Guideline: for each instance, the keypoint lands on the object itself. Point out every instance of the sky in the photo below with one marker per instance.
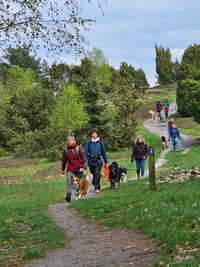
(129, 30)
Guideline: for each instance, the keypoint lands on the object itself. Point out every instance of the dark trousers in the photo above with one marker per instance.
(96, 172)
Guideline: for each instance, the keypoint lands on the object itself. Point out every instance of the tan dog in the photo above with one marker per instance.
(80, 187)
(153, 114)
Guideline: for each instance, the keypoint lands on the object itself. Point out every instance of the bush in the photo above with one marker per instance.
(4, 153)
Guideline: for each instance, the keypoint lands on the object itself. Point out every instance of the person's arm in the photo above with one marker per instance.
(103, 152)
(178, 134)
(133, 154)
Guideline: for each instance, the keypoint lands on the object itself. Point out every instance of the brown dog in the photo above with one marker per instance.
(80, 187)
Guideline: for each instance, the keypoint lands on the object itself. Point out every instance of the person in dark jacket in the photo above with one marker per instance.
(73, 163)
(174, 136)
(95, 155)
(139, 154)
(159, 108)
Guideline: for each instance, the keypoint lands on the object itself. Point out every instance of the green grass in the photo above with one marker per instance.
(170, 215)
(26, 228)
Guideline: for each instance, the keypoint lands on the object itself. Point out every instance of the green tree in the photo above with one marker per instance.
(26, 104)
(164, 68)
(21, 57)
(126, 101)
(188, 90)
(69, 113)
(140, 79)
(55, 25)
(59, 75)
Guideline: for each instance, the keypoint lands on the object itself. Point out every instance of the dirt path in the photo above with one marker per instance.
(93, 245)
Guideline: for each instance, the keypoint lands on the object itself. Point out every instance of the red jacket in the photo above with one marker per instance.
(73, 160)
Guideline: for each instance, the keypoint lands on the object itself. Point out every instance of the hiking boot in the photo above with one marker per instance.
(68, 198)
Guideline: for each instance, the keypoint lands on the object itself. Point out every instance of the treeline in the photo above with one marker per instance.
(41, 105)
(186, 74)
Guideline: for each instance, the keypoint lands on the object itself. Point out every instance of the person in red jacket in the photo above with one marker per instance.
(73, 163)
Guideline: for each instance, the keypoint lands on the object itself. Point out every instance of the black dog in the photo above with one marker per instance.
(163, 143)
(114, 175)
(122, 172)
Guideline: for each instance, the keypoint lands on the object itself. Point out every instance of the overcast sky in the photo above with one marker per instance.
(130, 29)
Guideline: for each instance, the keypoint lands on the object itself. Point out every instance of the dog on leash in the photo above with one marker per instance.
(114, 175)
(153, 115)
(80, 187)
(122, 172)
(163, 143)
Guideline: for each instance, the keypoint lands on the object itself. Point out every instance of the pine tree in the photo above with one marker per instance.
(188, 90)
(164, 67)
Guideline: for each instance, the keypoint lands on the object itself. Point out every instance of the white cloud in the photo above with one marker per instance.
(184, 33)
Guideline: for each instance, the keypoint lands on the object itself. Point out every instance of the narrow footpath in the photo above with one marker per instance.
(95, 245)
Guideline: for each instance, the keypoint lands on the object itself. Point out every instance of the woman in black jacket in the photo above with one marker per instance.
(139, 153)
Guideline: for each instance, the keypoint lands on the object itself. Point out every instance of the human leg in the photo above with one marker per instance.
(96, 172)
(174, 143)
(69, 176)
(143, 162)
(137, 161)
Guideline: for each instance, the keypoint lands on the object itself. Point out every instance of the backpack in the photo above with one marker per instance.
(77, 149)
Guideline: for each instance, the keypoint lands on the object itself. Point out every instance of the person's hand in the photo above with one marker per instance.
(106, 164)
(62, 173)
(143, 157)
(81, 170)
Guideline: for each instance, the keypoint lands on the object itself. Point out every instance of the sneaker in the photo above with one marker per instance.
(97, 191)
(68, 198)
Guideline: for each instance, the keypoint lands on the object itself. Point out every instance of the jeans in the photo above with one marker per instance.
(69, 176)
(96, 172)
(175, 142)
(140, 165)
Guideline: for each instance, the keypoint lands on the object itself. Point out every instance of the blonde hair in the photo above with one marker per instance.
(70, 138)
(139, 137)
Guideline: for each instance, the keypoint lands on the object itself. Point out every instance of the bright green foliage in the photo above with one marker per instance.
(26, 104)
(188, 91)
(69, 112)
(164, 67)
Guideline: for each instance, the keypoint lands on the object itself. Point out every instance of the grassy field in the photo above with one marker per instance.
(170, 214)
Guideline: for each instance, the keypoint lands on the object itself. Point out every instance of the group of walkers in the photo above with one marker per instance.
(173, 132)
(76, 160)
(162, 108)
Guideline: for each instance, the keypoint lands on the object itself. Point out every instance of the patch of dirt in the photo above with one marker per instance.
(94, 245)
(15, 162)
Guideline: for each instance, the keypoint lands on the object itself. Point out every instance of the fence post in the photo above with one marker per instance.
(152, 172)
